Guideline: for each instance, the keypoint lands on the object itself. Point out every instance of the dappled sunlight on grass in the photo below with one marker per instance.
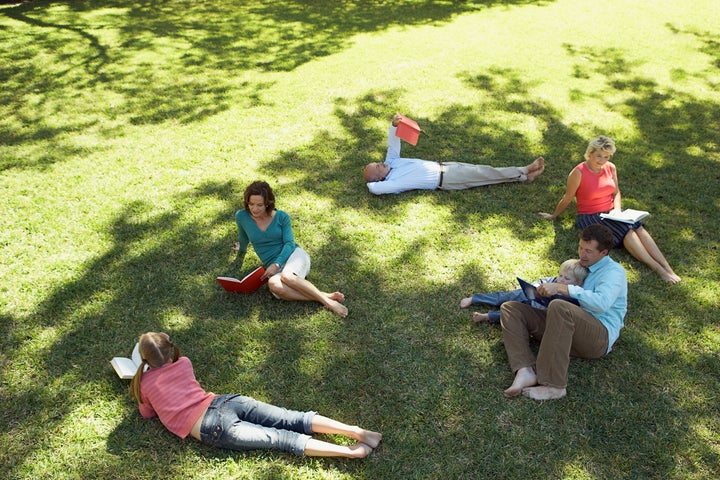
(127, 136)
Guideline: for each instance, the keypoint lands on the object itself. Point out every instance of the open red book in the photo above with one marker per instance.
(249, 284)
(408, 130)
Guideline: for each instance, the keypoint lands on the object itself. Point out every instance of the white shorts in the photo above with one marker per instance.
(298, 263)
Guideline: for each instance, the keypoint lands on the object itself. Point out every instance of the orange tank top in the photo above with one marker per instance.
(595, 193)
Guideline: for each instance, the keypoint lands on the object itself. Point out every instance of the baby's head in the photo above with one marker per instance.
(572, 273)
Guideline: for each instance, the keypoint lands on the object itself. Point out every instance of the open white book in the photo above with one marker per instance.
(626, 216)
(126, 367)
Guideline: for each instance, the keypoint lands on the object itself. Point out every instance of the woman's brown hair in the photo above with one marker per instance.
(262, 189)
(156, 350)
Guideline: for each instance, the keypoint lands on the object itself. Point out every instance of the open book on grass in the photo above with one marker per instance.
(248, 284)
(626, 216)
(531, 293)
(126, 367)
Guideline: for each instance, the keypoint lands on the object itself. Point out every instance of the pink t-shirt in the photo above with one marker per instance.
(173, 394)
(595, 193)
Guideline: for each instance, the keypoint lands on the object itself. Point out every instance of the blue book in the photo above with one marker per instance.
(531, 293)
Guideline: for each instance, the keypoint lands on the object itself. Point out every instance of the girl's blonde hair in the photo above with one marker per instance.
(576, 269)
(156, 350)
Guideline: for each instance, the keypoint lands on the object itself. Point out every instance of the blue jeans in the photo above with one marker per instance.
(236, 422)
(498, 298)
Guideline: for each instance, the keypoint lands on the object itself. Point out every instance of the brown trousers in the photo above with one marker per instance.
(563, 329)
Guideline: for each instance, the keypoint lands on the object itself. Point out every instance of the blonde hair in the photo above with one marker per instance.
(156, 350)
(578, 272)
(600, 143)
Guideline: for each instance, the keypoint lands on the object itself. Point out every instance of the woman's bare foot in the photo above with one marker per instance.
(670, 277)
(466, 302)
(480, 317)
(337, 296)
(337, 307)
(543, 392)
(524, 377)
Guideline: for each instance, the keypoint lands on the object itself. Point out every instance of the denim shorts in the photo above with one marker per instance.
(236, 422)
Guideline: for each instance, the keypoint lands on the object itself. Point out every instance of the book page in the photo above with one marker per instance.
(124, 367)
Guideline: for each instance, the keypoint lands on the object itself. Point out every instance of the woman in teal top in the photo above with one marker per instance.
(286, 264)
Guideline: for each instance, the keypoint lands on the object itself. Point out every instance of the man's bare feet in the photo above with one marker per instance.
(480, 317)
(466, 302)
(337, 296)
(535, 169)
(524, 377)
(538, 164)
(543, 392)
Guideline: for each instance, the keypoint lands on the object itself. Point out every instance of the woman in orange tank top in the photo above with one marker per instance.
(594, 185)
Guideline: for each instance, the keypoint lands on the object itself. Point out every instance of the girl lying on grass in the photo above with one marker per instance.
(168, 389)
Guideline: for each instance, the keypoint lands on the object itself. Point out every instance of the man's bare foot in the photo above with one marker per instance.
(543, 392)
(337, 296)
(466, 302)
(524, 377)
(535, 169)
(369, 437)
(480, 317)
(337, 307)
(538, 164)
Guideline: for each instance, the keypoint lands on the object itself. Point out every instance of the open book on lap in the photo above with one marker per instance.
(531, 293)
(126, 367)
(626, 216)
(248, 284)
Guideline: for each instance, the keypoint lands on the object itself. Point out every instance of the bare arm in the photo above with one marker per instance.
(617, 198)
(573, 183)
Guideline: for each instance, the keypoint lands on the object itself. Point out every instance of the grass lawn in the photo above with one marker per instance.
(128, 131)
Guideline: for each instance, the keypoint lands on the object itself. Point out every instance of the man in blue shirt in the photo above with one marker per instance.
(564, 329)
(397, 174)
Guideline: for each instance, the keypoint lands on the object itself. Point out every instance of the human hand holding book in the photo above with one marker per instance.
(251, 282)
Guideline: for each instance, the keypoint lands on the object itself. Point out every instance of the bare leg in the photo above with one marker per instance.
(322, 424)
(318, 448)
(655, 252)
(524, 377)
(480, 317)
(466, 302)
(641, 246)
(543, 392)
(292, 287)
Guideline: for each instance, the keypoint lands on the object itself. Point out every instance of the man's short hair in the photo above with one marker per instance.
(600, 233)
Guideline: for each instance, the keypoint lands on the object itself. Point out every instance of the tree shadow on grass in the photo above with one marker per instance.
(101, 67)
(673, 157)
(398, 363)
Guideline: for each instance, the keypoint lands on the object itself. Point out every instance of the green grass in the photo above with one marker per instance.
(128, 131)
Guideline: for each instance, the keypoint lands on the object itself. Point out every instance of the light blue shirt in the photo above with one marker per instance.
(604, 296)
(405, 173)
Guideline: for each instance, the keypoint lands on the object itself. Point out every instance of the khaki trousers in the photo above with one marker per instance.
(563, 329)
(459, 176)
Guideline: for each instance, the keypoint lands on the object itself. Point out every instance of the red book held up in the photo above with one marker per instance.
(408, 130)
(249, 284)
